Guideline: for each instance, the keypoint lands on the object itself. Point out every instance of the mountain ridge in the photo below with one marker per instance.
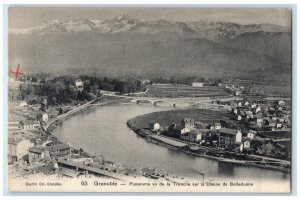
(205, 29)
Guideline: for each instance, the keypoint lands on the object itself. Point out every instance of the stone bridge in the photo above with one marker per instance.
(181, 103)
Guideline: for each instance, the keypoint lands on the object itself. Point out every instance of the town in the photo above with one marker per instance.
(256, 134)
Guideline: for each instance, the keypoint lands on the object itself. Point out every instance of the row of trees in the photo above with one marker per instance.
(186, 80)
(92, 84)
(62, 89)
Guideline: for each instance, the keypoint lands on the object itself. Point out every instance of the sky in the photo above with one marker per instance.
(20, 18)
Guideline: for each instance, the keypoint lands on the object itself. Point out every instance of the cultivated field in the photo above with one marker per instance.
(275, 90)
(184, 91)
(277, 134)
(165, 118)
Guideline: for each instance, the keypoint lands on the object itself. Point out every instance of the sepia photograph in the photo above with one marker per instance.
(149, 99)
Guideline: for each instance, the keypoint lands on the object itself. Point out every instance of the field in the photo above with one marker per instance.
(287, 145)
(277, 134)
(275, 90)
(165, 118)
(184, 91)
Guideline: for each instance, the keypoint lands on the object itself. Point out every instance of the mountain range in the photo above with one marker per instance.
(211, 30)
(124, 45)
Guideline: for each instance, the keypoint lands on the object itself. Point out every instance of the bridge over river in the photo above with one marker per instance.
(186, 102)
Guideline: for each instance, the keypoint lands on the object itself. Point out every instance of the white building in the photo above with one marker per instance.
(45, 117)
(216, 126)
(239, 104)
(281, 103)
(251, 135)
(154, 126)
(29, 125)
(197, 84)
(79, 84)
(23, 104)
(259, 121)
(188, 123)
(258, 109)
(17, 148)
(195, 135)
(245, 145)
(183, 130)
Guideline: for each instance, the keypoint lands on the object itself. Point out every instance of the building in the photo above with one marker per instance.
(259, 121)
(229, 137)
(271, 123)
(239, 104)
(278, 125)
(35, 154)
(196, 135)
(42, 117)
(216, 126)
(253, 105)
(247, 103)
(182, 130)
(45, 117)
(29, 125)
(188, 123)
(245, 145)
(177, 131)
(197, 84)
(257, 109)
(249, 114)
(251, 135)
(281, 103)
(17, 148)
(238, 92)
(235, 110)
(154, 126)
(14, 127)
(79, 84)
(238, 117)
(23, 104)
(57, 150)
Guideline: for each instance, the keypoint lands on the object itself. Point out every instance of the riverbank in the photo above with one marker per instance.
(212, 153)
(128, 173)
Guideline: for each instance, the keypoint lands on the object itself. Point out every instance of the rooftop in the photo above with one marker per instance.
(14, 140)
(199, 131)
(229, 131)
(35, 150)
(153, 122)
(179, 127)
(57, 147)
(29, 122)
(187, 119)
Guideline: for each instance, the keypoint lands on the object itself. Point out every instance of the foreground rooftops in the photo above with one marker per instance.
(57, 147)
(187, 119)
(14, 140)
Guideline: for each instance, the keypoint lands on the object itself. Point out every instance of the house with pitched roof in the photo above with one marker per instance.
(229, 137)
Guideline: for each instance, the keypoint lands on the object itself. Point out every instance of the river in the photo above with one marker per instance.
(103, 130)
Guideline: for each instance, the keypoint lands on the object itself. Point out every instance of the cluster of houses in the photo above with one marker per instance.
(232, 89)
(261, 115)
(215, 135)
(49, 156)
